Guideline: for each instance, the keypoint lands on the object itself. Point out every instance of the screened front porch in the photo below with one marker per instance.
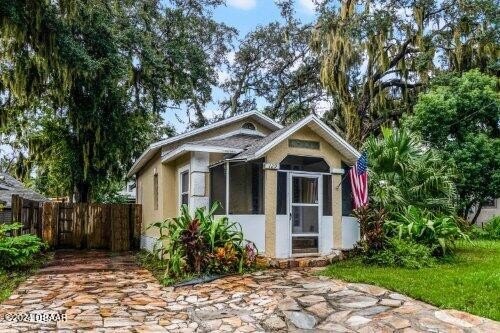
(299, 198)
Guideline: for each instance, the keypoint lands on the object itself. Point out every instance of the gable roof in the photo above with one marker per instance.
(267, 143)
(9, 186)
(155, 147)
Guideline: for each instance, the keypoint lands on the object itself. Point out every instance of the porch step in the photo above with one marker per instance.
(319, 261)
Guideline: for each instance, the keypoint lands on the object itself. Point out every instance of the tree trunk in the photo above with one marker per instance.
(476, 215)
(82, 192)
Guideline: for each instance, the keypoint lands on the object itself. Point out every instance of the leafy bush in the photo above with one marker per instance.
(202, 244)
(16, 251)
(371, 223)
(492, 227)
(490, 230)
(402, 253)
(437, 232)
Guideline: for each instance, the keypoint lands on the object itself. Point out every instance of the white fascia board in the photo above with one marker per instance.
(145, 156)
(154, 147)
(241, 131)
(311, 118)
(337, 137)
(190, 147)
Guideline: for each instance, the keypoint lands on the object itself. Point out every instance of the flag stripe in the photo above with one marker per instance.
(359, 181)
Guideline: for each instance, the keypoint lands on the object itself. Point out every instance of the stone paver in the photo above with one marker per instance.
(100, 292)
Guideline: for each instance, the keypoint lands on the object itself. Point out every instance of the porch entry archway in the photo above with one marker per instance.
(304, 191)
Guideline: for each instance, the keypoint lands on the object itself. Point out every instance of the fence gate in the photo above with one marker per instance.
(65, 227)
(116, 227)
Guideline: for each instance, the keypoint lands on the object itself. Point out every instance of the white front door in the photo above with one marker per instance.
(304, 211)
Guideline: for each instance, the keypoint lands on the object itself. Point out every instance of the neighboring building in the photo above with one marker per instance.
(284, 185)
(129, 191)
(10, 186)
(491, 208)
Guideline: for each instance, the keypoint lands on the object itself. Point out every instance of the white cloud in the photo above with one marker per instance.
(242, 4)
(308, 5)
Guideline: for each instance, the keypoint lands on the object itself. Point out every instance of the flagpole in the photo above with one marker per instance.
(342, 179)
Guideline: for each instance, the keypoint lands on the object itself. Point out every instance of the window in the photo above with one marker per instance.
(184, 186)
(248, 126)
(218, 187)
(246, 188)
(155, 191)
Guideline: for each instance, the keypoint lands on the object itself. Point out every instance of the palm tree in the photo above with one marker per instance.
(402, 171)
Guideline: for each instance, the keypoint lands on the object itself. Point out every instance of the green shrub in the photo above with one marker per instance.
(202, 244)
(16, 251)
(437, 232)
(490, 230)
(402, 253)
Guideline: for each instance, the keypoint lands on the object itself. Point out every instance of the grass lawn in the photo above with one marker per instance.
(9, 280)
(470, 281)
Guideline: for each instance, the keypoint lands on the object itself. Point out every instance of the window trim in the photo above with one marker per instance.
(180, 172)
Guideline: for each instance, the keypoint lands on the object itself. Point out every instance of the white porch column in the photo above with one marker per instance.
(199, 195)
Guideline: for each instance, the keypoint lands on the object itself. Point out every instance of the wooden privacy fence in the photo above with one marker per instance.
(116, 227)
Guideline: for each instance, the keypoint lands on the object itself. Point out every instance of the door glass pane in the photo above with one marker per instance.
(304, 245)
(305, 190)
(305, 219)
(185, 181)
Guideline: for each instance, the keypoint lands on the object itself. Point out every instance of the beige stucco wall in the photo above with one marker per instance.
(168, 191)
(275, 156)
(145, 181)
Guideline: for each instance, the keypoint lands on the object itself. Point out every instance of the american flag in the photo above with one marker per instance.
(359, 181)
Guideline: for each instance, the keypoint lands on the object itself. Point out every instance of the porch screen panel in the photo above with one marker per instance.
(218, 188)
(327, 195)
(246, 188)
(281, 193)
(346, 193)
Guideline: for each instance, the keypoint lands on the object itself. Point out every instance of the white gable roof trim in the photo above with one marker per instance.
(154, 147)
(348, 151)
(171, 155)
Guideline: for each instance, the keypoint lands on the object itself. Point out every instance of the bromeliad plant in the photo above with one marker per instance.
(201, 244)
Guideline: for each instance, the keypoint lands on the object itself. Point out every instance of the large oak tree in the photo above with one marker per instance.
(85, 81)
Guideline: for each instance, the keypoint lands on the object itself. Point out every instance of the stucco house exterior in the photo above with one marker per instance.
(284, 185)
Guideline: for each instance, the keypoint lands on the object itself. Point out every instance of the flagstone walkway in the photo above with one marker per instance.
(100, 292)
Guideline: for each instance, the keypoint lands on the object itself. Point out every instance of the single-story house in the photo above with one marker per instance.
(10, 186)
(284, 185)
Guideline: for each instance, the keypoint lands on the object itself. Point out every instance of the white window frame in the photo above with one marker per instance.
(180, 193)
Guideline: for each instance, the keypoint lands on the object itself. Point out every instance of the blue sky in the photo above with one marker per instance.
(244, 15)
